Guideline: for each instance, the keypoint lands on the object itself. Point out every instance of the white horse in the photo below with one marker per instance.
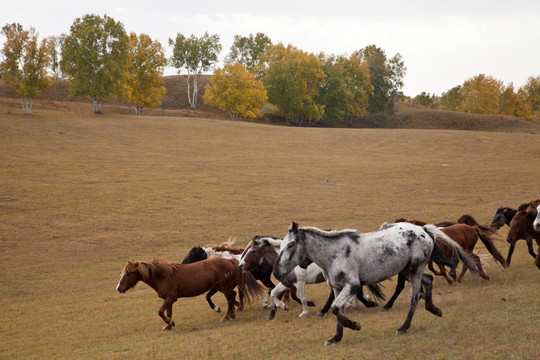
(351, 260)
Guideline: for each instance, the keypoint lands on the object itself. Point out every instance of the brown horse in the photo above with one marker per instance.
(172, 281)
(466, 233)
(522, 223)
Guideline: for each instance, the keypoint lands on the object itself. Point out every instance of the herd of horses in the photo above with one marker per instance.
(347, 260)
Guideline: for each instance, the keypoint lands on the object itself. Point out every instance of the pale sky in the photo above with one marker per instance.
(443, 43)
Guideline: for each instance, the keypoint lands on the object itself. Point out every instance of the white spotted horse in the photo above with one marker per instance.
(351, 260)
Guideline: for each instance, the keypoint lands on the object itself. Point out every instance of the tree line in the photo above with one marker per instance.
(102, 62)
(484, 94)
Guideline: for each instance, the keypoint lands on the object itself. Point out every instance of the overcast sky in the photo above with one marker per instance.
(443, 43)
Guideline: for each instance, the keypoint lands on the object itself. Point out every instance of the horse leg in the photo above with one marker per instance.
(301, 287)
(511, 251)
(432, 269)
(427, 284)
(240, 304)
(230, 295)
(445, 274)
(167, 307)
(478, 262)
(338, 309)
(209, 295)
(399, 288)
(416, 284)
(326, 306)
(529, 240)
(278, 290)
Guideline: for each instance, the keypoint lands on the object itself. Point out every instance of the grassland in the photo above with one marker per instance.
(80, 194)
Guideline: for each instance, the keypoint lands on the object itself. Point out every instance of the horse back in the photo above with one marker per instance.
(197, 278)
(465, 235)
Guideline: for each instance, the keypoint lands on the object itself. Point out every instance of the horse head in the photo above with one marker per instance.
(292, 253)
(262, 250)
(130, 276)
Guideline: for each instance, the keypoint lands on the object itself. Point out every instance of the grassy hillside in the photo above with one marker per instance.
(80, 194)
(175, 103)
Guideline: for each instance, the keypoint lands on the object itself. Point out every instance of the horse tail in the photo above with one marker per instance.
(469, 220)
(490, 246)
(376, 291)
(247, 285)
(467, 260)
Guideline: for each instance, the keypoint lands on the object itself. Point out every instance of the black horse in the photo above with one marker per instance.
(502, 217)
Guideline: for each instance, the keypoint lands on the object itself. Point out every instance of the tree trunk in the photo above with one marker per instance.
(27, 105)
(97, 106)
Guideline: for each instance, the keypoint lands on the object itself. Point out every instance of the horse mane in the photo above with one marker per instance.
(226, 246)
(156, 268)
(272, 241)
(327, 233)
(412, 221)
(533, 205)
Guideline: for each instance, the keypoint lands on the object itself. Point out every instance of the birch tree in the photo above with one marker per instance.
(26, 62)
(194, 55)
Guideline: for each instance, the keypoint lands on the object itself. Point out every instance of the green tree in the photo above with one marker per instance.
(386, 77)
(481, 95)
(424, 99)
(195, 55)
(236, 91)
(530, 95)
(25, 64)
(345, 92)
(95, 58)
(247, 50)
(292, 79)
(452, 99)
(147, 62)
(56, 52)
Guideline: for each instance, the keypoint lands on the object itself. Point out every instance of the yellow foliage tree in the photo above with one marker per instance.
(481, 95)
(235, 91)
(145, 82)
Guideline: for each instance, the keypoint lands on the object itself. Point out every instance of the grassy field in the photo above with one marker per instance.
(80, 194)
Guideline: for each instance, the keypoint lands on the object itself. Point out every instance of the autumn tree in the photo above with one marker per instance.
(95, 59)
(26, 62)
(56, 53)
(247, 50)
(386, 77)
(424, 99)
(195, 55)
(147, 63)
(481, 94)
(292, 79)
(530, 95)
(510, 103)
(346, 89)
(236, 91)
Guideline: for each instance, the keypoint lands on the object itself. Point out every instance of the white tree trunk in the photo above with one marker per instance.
(27, 105)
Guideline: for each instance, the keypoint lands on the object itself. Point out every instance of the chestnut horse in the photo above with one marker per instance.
(466, 233)
(522, 223)
(172, 281)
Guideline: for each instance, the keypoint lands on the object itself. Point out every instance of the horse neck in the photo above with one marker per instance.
(270, 255)
(319, 249)
(509, 215)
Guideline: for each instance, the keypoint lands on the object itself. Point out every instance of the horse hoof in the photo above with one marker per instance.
(401, 331)
(320, 314)
(357, 326)
(217, 309)
(303, 314)
(385, 309)
(330, 342)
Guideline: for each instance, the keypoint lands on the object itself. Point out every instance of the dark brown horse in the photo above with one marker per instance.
(172, 281)
(503, 216)
(522, 223)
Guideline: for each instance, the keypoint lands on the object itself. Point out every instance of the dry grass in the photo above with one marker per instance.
(80, 194)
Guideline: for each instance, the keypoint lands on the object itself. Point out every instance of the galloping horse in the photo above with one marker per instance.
(466, 233)
(351, 260)
(503, 216)
(522, 223)
(264, 252)
(172, 281)
(224, 250)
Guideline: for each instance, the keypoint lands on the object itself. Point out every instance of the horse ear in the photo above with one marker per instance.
(294, 228)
